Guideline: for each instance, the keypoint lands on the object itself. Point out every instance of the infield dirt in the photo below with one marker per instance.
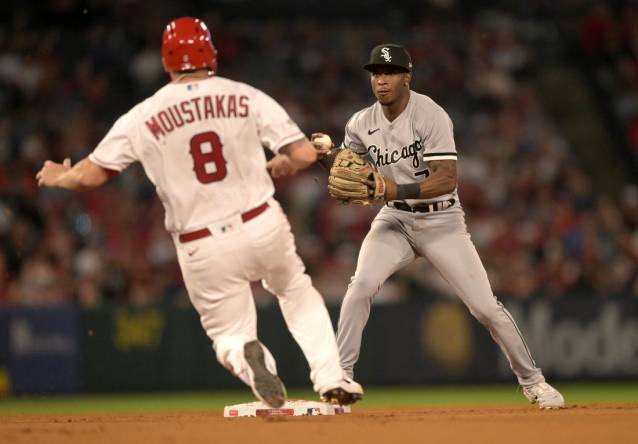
(599, 424)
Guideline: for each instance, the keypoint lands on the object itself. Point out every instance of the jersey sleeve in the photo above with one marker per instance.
(276, 128)
(351, 139)
(115, 151)
(439, 138)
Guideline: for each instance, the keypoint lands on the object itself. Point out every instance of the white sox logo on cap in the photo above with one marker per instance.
(385, 53)
(389, 54)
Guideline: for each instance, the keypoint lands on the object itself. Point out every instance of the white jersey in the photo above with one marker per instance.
(200, 144)
(401, 149)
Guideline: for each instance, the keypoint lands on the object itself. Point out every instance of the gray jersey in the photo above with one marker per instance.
(401, 149)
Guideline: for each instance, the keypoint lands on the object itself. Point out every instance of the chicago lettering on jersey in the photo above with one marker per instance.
(385, 156)
(197, 109)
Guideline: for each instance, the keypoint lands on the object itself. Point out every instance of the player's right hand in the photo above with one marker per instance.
(321, 143)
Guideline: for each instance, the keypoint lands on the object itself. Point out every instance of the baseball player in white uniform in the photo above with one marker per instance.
(200, 141)
(409, 139)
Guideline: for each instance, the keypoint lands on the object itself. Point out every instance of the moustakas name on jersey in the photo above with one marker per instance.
(201, 145)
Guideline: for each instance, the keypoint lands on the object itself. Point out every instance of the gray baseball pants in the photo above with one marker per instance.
(395, 239)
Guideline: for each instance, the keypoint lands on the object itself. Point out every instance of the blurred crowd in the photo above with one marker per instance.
(609, 37)
(539, 224)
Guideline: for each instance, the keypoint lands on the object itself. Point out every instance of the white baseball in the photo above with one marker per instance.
(325, 141)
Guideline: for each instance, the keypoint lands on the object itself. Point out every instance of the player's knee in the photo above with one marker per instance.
(291, 287)
(362, 289)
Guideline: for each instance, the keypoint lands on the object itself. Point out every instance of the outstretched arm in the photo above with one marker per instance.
(291, 158)
(84, 175)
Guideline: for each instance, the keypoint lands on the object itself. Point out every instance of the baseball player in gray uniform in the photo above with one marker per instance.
(409, 139)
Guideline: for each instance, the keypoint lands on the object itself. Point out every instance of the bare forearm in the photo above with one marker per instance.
(291, 158)
(71, 181)
(437, 184)
(301, 154)
(84, 175)
(441, 181)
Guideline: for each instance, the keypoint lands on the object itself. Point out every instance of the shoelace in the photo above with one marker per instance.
(540, 389)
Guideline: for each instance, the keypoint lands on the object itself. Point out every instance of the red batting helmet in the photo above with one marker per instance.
(187, 46)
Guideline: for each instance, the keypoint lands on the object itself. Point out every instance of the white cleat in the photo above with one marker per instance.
(344, 392)
(546, 396)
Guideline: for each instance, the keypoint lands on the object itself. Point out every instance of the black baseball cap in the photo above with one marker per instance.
(389, 54)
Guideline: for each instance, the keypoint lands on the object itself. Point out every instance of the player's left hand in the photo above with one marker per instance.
(51, 171)
(353, 180)
(281, 165)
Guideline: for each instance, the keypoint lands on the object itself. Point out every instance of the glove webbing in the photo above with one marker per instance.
(329, 159)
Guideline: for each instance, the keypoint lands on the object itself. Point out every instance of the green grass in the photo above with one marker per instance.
(495, 394)
(375, 397)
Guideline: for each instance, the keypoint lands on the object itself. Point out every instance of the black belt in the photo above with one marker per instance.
(423, 207)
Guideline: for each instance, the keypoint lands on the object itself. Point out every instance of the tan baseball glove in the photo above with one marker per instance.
(354, 180)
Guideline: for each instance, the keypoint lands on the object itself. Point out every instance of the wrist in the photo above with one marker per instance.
(68, 180)
(58, 181)
(390, 190)
(407, 191)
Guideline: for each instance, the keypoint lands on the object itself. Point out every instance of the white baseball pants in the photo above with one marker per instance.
(217, 272)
